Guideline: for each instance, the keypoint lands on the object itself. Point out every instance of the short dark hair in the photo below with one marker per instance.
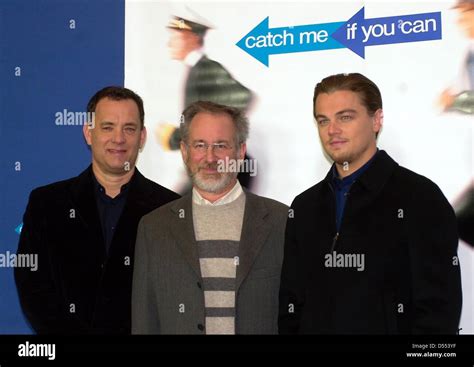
(367, 90)
(117, 94)
(237, 115)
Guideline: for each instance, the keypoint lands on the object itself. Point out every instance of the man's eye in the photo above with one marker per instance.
(220, 146)
(199, 146)
(322, 122)
(346, 118)
(130, 129)
(107, 128)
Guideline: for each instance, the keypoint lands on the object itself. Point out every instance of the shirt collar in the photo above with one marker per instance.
(101, 190)
(193, 57)
(226, 199)
(349, 180)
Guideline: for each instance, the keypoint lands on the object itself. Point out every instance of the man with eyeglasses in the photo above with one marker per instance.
(210, 262)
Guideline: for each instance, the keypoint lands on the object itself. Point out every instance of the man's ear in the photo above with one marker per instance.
(377, 121)
(143, 135)
(184, 151)
(243, 150)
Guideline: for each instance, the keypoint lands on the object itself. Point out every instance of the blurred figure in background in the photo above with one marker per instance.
(459, 97)
(207, 80)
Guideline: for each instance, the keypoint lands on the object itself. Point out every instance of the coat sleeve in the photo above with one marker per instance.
(465, 216)
(210, 81)
(145, 318)
(435, 270)
(291, 295)
(40, 300)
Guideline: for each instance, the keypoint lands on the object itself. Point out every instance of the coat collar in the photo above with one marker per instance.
(255, 230)
(83, 198)
(83, 187)
(376, 175)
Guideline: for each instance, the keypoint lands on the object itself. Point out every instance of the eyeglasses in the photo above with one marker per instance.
(217, 148)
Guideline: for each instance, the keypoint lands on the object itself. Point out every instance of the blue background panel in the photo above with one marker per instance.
(61, 68)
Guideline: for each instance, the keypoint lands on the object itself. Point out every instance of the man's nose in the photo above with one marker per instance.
(119, 136)
(210, 155)
(333, 128)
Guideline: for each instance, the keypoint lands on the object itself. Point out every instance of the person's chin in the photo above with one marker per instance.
(209, 180)
(339, 157)
(120, 167)
(213, 184)
(215, 176)
(332, 154)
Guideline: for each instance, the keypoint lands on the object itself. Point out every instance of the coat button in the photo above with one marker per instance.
(199, 285)
(201, 327)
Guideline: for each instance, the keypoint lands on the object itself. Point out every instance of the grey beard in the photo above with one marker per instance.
(212, 185)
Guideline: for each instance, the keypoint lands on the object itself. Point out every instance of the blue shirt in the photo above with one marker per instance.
(342, 187)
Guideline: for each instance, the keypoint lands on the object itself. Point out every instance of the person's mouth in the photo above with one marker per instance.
(209, 170)
(337, 143)
(117, 151)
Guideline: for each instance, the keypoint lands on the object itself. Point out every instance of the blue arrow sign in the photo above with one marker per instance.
(355, 34)
(262, 41)
(359, 32)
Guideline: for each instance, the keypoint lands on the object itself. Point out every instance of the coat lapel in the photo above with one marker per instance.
(84, 202)
(136, 206)
(183, 231)
(255, 230)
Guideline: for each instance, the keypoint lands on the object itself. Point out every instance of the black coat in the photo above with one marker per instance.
(406, 230)
(78, 288)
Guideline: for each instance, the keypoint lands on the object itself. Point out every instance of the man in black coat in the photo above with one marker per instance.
(372, 248)
(83, 229)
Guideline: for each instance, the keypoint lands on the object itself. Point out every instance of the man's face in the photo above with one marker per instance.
(116, 136)
(466, 19)
(202, 165)
(346, 130)
(181, 43)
